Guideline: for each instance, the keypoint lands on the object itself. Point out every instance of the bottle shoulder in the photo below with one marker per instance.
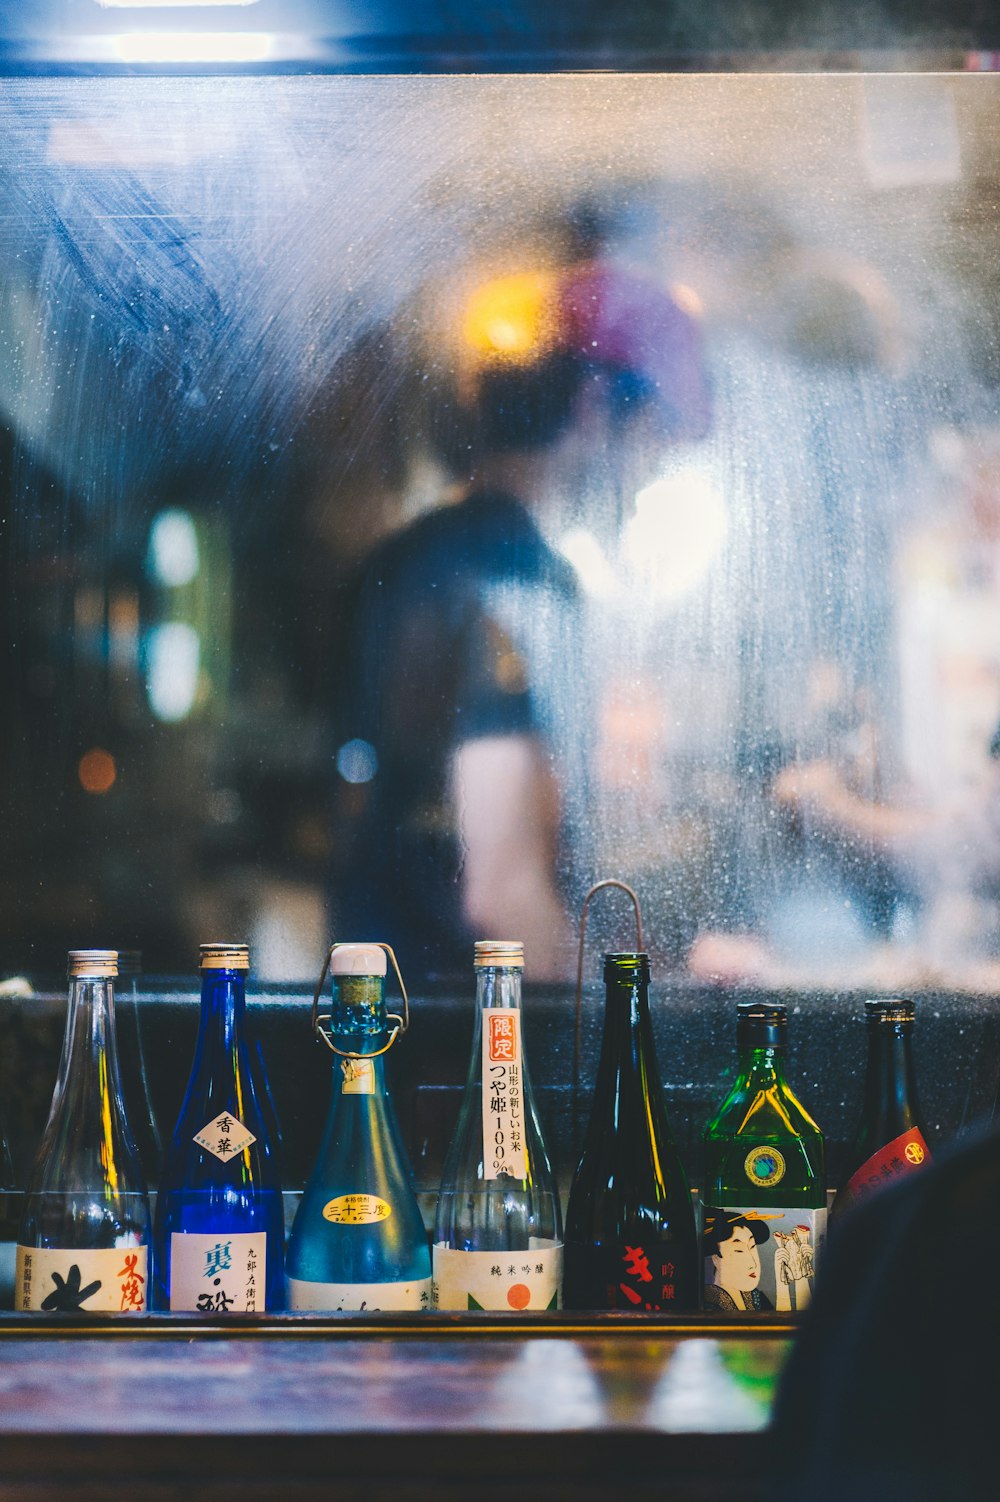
(764, 1108)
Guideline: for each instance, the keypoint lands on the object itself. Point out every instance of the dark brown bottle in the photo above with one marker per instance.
(890, 1141)
(631, 1241)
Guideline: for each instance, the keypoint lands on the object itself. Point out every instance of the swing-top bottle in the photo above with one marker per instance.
(498, 1233)
(219, 1210)
(84, 1236)
(358, 1240)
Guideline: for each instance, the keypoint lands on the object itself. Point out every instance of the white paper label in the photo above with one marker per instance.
(225, 1136)
(333, 1297)
(359, 1077)
(218, 1274)
(503, 1094)
(55, 1281)
(499, 1280)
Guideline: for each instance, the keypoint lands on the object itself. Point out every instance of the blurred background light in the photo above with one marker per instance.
(677, 532)
(357, 761)
(97, 771)
(174, 653)
(173, 548)
(193, 46)
(585, 553)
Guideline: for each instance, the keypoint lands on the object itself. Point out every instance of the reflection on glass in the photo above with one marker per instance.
(369, 638)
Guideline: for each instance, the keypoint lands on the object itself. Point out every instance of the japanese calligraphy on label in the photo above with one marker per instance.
(503, 1095)
(225, 1136)
(902, 1156)
(59, 1282)
(757, 1260)
(217, 1274)
(499, 1280)
(359, 1077)
(334, 1297)
(356, 1210)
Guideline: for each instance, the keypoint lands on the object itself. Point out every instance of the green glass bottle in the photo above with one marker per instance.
(764, 1180)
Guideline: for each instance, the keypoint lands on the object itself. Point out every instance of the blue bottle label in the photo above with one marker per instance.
(214, 1273)
(226, 1136)
(335, 1297)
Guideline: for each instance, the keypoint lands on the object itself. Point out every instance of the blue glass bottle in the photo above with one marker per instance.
(219, 1214)
(358, 1240)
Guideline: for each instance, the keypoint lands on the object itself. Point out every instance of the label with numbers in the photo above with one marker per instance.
(225, 1136)
(356, 1210)
(217, 1273)
(333, 1297)
(503, 1094)
(58, 1282)
(499, 1280)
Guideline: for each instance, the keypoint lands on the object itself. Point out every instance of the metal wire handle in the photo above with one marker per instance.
(597, 887)
(318, 1018)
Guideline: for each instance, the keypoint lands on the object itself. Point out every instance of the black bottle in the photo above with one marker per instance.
(631, 1241)
(890, 1141)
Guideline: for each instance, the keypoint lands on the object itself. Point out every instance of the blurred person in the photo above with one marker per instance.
(890, 1392)
(464, 716)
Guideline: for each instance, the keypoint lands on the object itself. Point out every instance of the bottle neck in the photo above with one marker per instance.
(223, 1008)
(89, 1061)
(627, 1026)
(359, 1024)
(762, 1064)
(889, 1075)
(498, 986)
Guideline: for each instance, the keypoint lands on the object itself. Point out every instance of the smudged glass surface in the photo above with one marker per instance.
(233, 333)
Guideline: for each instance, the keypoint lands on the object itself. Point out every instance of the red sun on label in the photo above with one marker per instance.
(519, 1297)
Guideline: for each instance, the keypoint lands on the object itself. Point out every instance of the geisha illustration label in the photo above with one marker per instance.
(334, 1297)
(499, 1280)
(215, 1274)
(503, 1094)
(757, 1260)
(903, 1155)
(110, 1279)
(225, 1136)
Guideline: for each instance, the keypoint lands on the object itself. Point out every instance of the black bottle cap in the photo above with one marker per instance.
(760, 1024)
(889, 1009)
(629, 965)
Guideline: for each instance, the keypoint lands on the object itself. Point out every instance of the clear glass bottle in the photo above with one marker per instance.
(358, 1240)
(132, 1054)
(84, 1237)
(764, 1180)
(498, 1232)
(219, 1210)
(890, 1141)
(631, 1240)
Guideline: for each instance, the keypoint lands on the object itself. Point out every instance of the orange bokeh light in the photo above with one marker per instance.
(97, 771)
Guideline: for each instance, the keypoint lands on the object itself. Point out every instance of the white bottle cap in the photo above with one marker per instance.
(358, 959)
(508, 953)
(224, 957)
(99, 964)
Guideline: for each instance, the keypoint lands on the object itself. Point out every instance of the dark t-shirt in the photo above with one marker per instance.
(453, 626)
(890, 1394)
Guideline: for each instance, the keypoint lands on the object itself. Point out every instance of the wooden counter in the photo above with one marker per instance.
(410, 1410)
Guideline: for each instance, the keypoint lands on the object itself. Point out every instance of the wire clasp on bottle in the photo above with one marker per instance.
(319, 1018)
